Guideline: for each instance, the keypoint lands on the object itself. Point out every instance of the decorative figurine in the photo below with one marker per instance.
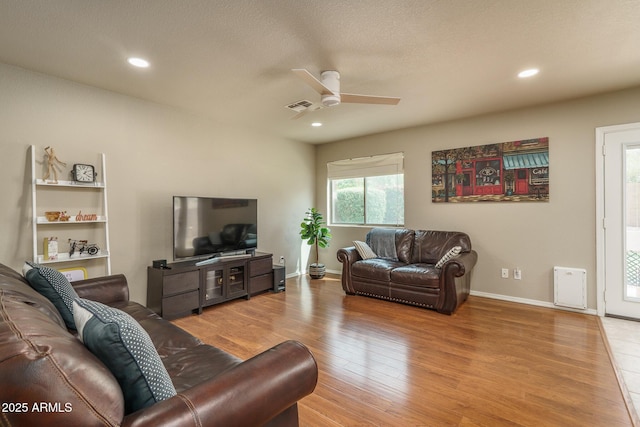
(53, 163)
(81, 246)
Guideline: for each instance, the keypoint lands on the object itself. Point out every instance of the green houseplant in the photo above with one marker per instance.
(313, 229)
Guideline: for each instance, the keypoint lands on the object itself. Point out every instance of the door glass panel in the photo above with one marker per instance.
(213, 285)
(632, 220)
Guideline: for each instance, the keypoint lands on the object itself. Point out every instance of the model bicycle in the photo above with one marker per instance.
(82, 246)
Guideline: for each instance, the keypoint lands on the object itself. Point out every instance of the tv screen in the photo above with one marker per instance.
(208, 226)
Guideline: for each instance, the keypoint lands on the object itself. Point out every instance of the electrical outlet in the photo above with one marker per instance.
(505, 273)
(517, 273)
(281, 260)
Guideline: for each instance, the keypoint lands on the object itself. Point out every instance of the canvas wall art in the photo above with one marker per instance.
(512, 171)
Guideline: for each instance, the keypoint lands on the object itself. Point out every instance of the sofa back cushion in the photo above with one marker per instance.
(47, 369)
(429, 246)
(13, 285)
(403, 243)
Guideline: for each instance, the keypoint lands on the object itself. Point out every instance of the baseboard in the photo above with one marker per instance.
(527, 301)
(532, 302)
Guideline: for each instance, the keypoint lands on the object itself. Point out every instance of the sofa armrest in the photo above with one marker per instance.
(455, 281)
(347, 256)
(249, 394)
(461, 264)
(106, 289)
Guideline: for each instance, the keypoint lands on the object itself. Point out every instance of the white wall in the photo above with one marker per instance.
(153, 152)
(532, 236)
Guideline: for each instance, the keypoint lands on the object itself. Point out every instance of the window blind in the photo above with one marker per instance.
(385, 164)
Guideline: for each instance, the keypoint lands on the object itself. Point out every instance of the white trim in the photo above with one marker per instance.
(601, 132)
(527, 301)
(600, 221)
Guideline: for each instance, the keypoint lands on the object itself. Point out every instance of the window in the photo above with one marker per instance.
(367, 191)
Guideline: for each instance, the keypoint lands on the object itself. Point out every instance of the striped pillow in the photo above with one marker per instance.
(452, 253)
(364, 250)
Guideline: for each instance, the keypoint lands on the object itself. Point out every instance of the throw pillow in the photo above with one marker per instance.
(452, 253)
(126, 349)
(364, 250)
(54, 286)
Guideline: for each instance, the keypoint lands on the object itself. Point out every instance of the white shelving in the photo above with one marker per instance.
(98, 225)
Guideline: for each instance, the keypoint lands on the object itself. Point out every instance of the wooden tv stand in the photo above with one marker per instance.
(183, 287)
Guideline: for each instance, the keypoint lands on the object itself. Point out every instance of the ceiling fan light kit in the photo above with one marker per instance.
(331, 81)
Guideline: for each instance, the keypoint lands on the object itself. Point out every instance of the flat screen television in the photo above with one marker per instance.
(204, 227)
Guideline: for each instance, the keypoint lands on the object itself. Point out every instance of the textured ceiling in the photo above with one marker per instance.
(232, 60)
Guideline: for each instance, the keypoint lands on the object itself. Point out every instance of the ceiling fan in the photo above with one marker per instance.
(329, 88)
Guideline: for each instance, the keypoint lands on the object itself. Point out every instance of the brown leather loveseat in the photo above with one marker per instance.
(416, 267)
(49, 377)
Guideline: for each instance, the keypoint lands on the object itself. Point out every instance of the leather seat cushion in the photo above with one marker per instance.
(375, 268)
(167, 338)
(195, 365)
(424, 275)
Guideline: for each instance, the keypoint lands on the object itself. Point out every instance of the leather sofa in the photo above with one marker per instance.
(50, 378)
(411, 276)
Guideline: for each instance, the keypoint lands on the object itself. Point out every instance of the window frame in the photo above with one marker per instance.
(364, 168)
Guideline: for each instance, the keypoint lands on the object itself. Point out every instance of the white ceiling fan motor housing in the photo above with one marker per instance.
(331, 80)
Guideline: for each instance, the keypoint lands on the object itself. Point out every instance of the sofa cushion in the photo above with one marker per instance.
(383, 242)
(14, 286)
(452, 253)
(192, 366)
(403, 243)
(43, 362)
(55, 287)
(422, 275)
(429, 246)
(127, 350)
(375, 268)
(364, 250)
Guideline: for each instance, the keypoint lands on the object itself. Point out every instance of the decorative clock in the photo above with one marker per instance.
(83, 173)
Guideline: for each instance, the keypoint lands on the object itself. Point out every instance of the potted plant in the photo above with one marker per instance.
(313, 230)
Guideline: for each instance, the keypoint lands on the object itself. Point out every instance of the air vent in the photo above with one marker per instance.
(299, 106)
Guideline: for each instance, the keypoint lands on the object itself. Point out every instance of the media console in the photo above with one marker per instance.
(181, 288)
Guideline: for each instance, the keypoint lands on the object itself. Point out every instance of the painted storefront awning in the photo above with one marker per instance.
(526, 161)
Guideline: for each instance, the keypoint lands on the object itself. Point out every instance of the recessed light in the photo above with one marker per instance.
(528, 73)
(138, 62)
(316, 124)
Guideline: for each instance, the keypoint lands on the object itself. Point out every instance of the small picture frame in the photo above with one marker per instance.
(74, 273)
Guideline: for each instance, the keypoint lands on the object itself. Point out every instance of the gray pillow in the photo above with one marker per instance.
(452, 253)
(126, 349)
(364, 250)
(54, 286)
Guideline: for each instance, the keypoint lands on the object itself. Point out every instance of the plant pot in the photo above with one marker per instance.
(317, 271)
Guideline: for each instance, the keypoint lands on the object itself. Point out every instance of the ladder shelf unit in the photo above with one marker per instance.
(49, 195)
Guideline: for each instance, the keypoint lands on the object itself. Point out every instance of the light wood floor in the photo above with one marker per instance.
(492, 363)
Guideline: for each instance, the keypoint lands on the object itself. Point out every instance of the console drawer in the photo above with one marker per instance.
(261, 283)
(180, 304)
(260, 267)
(180, 283)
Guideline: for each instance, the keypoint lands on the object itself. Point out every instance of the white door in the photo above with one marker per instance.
(620, 206)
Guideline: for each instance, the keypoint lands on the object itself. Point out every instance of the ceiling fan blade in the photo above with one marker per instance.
(368, 99)
(309, 79)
